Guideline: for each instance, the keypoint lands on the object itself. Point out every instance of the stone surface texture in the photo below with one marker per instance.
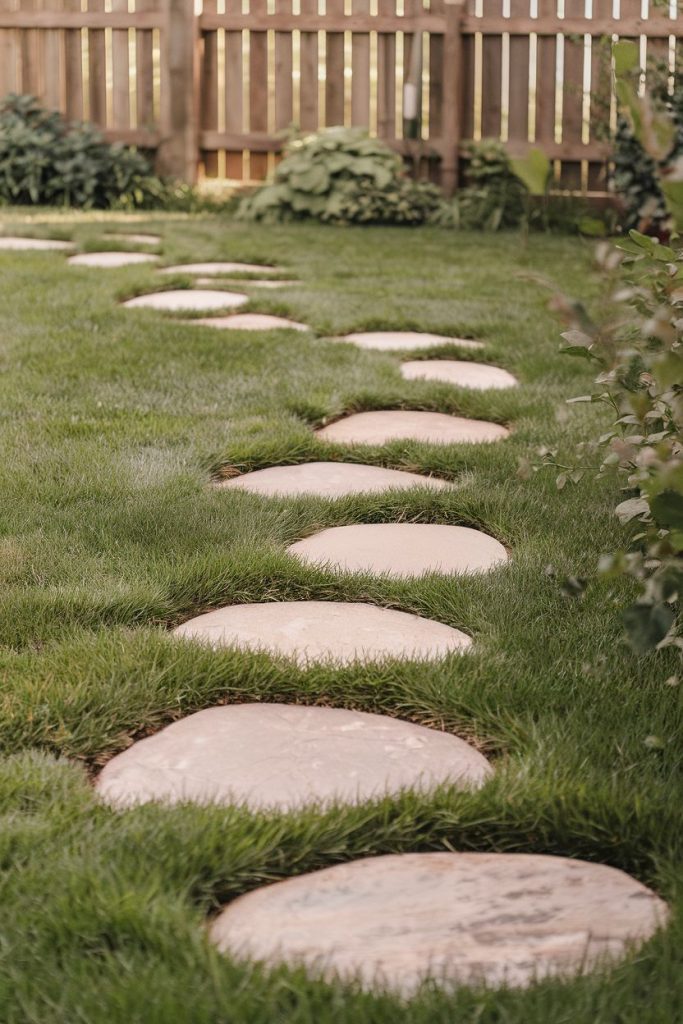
(187, 299)
(283, 756)
(21, 244)
(382, 426)
(220, 268)
(135, 239)
(110, 259)
(396, 341)
(339, 632)
(252, 322)
(478, 376)
(459, 918)
(328, 480)
(401, 549)
(246, 282)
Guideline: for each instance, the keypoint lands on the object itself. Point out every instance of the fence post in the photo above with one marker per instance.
(178, 155)
(452, 94)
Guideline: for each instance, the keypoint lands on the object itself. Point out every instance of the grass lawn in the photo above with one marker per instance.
(112, 424)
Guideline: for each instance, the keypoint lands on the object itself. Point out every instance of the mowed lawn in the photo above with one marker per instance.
(113, 422)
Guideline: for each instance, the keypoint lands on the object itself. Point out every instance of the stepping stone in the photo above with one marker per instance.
(21, 244)
(328, 480)
(134, 239)
(246, 282)
(220, 268)
(284, 756)
(252, 322)
(464, 375)
(394, 341)
(110, 259)
(410, 425)
(325, 631)
(401, 549)
(459, 918)
(187, 299)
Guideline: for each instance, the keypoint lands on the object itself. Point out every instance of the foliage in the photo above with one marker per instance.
(342, 176)
(493, 197)
(534, 171)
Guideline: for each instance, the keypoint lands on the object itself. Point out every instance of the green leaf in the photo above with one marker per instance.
(667, 509)
(647, 625)
(533, 171)
(626, 57)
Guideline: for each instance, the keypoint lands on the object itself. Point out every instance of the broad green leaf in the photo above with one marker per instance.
(533, 171)
(647, 625)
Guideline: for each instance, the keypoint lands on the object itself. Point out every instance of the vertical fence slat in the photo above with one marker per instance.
(308, 81)
(334, 69)
(258, 91)
(120, 72)
(386, 75)
(453, 108)
(208, 89)
(360, 70)
(468, 82)
(572, 97)
(53, 39)
(73, 68)
(97, 87)
(284, 100)
(144, 70)
(600, 98)
(177, 154)
(234, 96)
(546, 61)
(8, 54)
(518, 79)
(492, 76)
(29, 57)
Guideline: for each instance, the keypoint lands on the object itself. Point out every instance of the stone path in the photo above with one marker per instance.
(465, 375)
(110, 259)
(401, 549)
(20, 244)
(220, 268)
(461, 918)
(396, 341)
(336, 632)
(187, 299)
(328, 480)
(407, 425)
(140, 239)
(252, 322)
(245, 282)
(284, 756)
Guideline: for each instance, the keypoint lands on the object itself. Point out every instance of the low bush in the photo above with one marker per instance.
(493, 196)
(342, 176)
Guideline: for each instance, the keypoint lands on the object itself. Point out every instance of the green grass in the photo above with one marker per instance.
(112, 424)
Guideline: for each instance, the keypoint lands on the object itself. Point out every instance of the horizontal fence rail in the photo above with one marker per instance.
(215, 90)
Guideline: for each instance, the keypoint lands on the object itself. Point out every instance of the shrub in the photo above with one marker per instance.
(493, 197)
(342, 176)
(46, 160)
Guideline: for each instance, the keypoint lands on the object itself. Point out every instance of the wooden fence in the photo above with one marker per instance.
(212, 90)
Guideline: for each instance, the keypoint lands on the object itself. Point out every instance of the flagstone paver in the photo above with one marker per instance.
(453, 371)
(187, 299)
(339, 632)
(110, 259)
(283, 756)
(395, 341)
(246, 282)
(135, 239)
(20, 244)
(220, 268)
(252, 322)
(460, 918)
(401, 549)
(328, 480)
(382, 426)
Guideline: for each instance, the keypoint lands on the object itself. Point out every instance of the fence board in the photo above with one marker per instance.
(234, 95)
(546, 60)
(360, 69)
(120, 72)
(572, 97)
(8, 54)
(386, 75)
(97, 86)
(492, 76)
(73, 68)
(284, 99)
(518, 77)
(258, 90)
(53, 48)
(308, 65)
(208, 89)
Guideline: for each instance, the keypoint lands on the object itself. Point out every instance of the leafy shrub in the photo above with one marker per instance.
(493, 197)
(44, 159)
(342, 176)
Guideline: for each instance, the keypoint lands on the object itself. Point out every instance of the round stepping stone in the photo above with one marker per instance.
(187, 299)
(459, 918)
(20, 244)
(478, 376)
(327, 631)
(394, 341)
(410, 425)
(328, 480)
(283, 756)
(401, 549)
(252, 322)
(134, 239)
(220, 268)
(246, 282)
(110, 259)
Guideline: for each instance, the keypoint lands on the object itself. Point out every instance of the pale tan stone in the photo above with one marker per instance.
(220, 268)
(139, 239)
(401, 549)
(283, 756)
(20, 244)
(478, 376)
(245, 282)
(396, 341)
(252, 322)
(458, 918)
(187, 299)
(339, 632)
(110, 259)
(386, 425)
(328, 480)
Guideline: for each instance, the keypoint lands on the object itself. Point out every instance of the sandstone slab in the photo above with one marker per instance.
(336, 632)
(401, 549)
(283, 756)
(187, 300)
(328, 480)
(21, 244)
(396, 341)
(478, 376)
(220, 268)
(110, 259)
(247, 282)
(382, 426)
(458, 918)
(252, 322)
(134, 239)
